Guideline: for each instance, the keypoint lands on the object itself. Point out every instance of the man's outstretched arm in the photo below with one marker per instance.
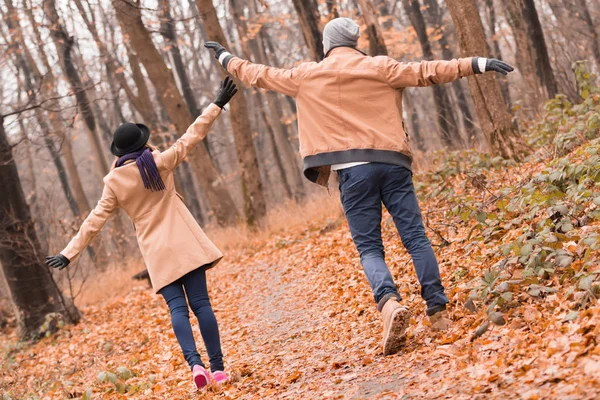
(427, 73)
(280, 80)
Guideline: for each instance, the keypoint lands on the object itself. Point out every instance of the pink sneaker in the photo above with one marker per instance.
(200, 376)
(220, 377)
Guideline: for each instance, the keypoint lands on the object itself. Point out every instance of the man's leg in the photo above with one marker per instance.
(398, 195)
(360, 192)
(360, 195)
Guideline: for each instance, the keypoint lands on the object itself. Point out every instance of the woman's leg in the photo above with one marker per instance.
(197, 294)
(180, 318)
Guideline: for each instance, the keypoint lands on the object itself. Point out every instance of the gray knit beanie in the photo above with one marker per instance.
(340, 32)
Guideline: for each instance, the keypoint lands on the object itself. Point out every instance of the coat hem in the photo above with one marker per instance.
(312, 163)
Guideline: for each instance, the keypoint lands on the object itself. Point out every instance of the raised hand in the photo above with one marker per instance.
(226, 91)
(216, 47)
(499, 66)
(58, 261)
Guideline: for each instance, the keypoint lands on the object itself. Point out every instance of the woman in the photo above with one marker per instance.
(176, 251)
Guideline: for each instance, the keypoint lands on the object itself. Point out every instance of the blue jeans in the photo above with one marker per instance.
(194, 284)
(363, 188)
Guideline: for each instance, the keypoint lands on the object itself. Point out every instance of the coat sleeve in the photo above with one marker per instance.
(173, 156)
(93, 224)
(425, 73)
(285, 81)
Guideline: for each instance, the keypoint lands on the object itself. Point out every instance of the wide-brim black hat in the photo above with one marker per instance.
(128, 138)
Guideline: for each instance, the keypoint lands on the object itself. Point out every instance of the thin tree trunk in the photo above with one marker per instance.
(376, 41)
(167, 30)
(532, 53)
(254, 202)
(219, 198)
(64, 44)
(491, 14)
(285, 156)
(575, 22)
(31, 91)
(310, 23)
(32, 289)
(413, 120)
(433, 10)
(496, 123)
(445, 115)
(47, 82)
(332, 9)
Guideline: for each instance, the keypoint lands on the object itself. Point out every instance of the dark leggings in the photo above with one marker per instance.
(194, 284)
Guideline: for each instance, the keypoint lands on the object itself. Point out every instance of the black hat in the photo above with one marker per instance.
(128, 138)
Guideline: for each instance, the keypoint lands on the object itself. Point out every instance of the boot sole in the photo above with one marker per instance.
(395, 337)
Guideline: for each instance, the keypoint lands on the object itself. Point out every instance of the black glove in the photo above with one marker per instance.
(490, 64)
(221, 54)
(58, 261)
(226, 91)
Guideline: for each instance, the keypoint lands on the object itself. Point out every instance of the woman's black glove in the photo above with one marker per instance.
(226, 91)
(221, 53)
(58, 261)
(481, 65)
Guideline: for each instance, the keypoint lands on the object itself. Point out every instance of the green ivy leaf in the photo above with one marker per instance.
(571, 316)
(101, 377)
(482, 216)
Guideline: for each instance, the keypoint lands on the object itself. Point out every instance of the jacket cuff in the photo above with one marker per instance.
(479, 64)
(224, 59)
(475, 65)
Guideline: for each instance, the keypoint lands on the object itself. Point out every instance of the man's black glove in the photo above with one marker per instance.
(226, 91)
(58, 261)
(481, 65)
(221, 53)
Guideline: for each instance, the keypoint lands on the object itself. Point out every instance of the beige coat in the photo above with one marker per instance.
(350, 104)
(171, 241)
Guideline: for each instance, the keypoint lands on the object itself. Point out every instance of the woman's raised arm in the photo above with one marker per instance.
(172, 157)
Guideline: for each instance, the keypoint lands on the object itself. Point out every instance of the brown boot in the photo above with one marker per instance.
(440, 321)
(395, 322)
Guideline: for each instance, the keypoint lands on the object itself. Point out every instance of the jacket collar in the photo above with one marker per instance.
(343, 50)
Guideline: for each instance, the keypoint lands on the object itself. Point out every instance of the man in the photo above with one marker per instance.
(350, 121)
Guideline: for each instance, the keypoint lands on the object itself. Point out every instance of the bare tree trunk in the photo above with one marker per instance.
(32, 93)
(64, 44)
(445, 115)
(310, 23)
(32, 289)
(376, 41)
(167, 30)
(254, 202)
(332, 9)
(491, 15)
(576, 25)
(532, 53)
(413, 120)
(48, 84)
(496, 123)
(219, 198)
(284, 153)
(447, 53)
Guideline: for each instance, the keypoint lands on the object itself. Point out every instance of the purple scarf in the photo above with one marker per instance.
(147, 166)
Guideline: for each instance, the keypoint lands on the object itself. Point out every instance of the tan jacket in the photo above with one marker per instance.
(171, 241)
(350, 104)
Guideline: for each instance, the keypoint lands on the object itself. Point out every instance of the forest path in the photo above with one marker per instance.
(298, 321)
